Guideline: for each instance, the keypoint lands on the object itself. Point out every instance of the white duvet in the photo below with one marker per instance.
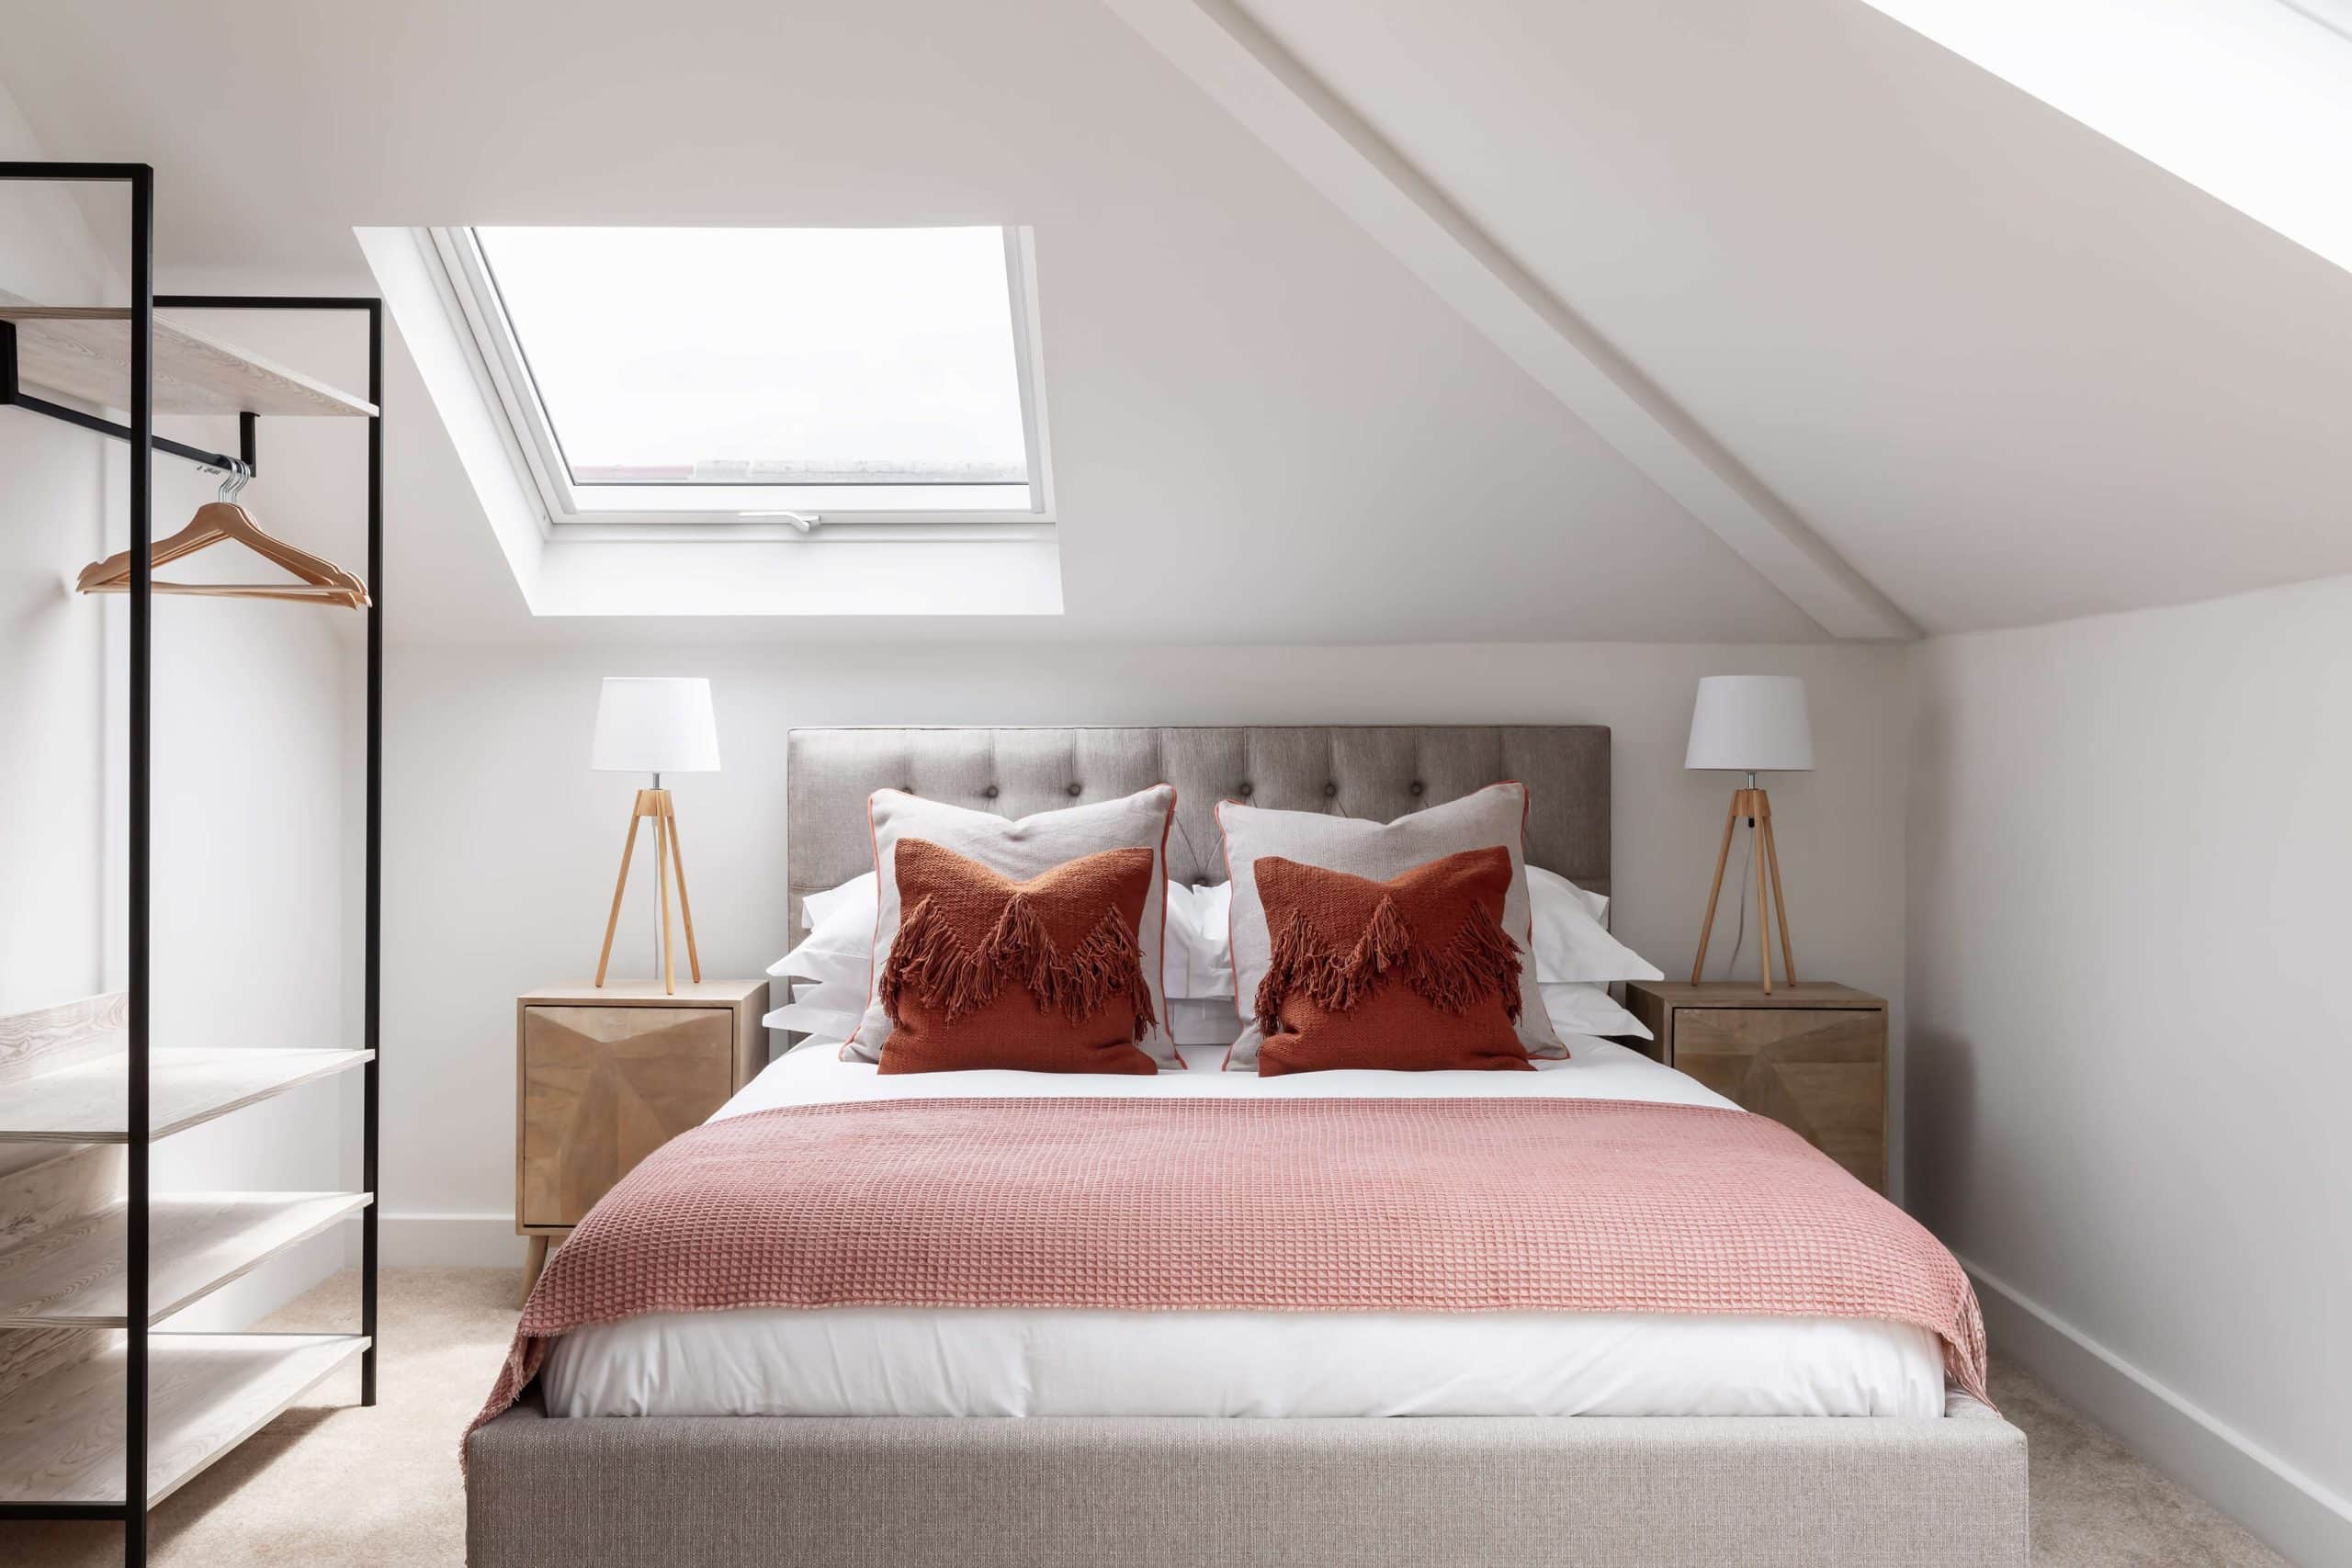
(974, 1361)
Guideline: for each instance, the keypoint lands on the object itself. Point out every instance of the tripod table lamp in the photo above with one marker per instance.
(655, 725)
(1751, 724)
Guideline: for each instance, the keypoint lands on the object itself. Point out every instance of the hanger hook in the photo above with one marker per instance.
(233, 483)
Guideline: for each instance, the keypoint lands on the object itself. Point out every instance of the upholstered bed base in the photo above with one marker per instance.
(1141, 1492)
(1145, 1492)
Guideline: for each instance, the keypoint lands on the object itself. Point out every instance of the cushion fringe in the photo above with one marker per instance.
(1480, 959)
(930, 962)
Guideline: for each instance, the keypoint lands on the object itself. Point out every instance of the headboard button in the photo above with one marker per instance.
(1076, 789)
(1416, 787)
(1247, 790)
(1330, 790)
(989, 792)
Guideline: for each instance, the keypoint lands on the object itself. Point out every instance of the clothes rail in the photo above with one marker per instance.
(140, 1473)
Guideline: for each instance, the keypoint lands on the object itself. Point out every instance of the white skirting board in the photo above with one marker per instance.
(449, 1241)
(2294, 1513)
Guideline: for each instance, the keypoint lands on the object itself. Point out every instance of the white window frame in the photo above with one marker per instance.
(777, 512)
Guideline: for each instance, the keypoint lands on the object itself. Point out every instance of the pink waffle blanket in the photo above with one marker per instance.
(1267, 1205)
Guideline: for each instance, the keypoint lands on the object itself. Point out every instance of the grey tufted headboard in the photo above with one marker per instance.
(1379, 773)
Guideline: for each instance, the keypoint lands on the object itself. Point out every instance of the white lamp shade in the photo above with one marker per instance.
(1750, 724)
(648, 724)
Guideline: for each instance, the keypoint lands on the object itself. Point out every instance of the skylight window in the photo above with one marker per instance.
(660, 376)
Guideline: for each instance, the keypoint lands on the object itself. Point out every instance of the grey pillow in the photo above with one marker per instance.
(1496, 815)
(1020, 848)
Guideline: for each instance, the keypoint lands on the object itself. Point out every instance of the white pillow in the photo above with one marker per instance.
(853, 899)
(1200, 961)
(831, 995)
(839, 948)
(1581, 1008)
(1203, 1021)
(1571, 944)
(820, 1011)
(840, 944)
(1183, 938)
(832, 1026)
(1593, 904)
(1212, 933)
(1572, 941)
(826, 1008)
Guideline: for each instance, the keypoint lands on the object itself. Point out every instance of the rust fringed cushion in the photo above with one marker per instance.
(1043, 976)
(1415, 974)
(1493, 818)
(1021, 849)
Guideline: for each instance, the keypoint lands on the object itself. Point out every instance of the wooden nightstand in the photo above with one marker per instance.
(602, 1078)
(1811, 1056)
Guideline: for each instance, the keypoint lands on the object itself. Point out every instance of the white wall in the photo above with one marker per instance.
(501, 844)
(249, 762)
(51, 649)
(249, 890)
(2130, 844)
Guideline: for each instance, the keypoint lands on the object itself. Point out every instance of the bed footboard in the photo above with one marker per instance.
(716, 1491)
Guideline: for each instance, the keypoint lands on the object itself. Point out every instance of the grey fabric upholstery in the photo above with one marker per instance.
(1379, 773)
(819, 1492)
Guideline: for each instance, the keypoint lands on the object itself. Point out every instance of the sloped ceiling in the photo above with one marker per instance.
(2010, 371)
(2007, 370)
(1264, 428)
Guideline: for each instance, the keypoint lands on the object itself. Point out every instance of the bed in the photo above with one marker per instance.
(1190, 1439)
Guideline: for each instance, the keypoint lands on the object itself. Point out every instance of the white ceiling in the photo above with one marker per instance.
(1264, 429)
(2007, 370)
(2012, 372)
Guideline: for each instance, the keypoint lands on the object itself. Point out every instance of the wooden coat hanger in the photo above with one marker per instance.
(320, 580)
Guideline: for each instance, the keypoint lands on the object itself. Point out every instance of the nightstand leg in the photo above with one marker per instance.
(533, 1267)
(1731, 818)
(612, 921)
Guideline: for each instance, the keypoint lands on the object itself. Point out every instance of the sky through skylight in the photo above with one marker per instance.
(768, 355)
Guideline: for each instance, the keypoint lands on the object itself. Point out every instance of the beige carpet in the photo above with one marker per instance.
(327, 1486)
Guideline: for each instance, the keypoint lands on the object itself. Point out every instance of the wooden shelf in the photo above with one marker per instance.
(73, 1277)
(89, 1101)
(84, 351)
(61, 1436)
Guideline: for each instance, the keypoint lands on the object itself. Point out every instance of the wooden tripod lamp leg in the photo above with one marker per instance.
(1699, 965)
(661, 865)
(1780, 899)
(1756, 848)
(686, 910)
(613, 920)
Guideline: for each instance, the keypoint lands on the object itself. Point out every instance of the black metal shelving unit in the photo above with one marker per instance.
(144, 442)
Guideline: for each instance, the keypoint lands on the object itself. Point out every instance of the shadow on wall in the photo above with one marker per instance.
(1940, 1100)
(1938, 1123)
